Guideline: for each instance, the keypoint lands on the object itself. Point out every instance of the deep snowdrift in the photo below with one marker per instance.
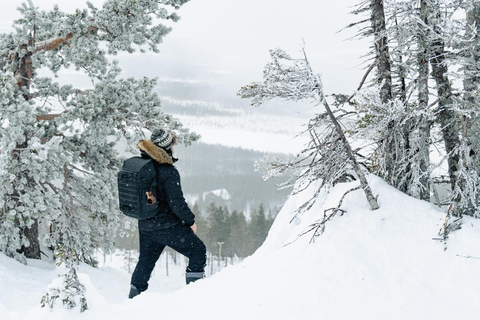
(380, 264)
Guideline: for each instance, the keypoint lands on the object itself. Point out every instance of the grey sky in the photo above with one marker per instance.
(226, 42)
(219, 46)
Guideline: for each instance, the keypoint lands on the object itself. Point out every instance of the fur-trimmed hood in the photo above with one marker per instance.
(156, 153)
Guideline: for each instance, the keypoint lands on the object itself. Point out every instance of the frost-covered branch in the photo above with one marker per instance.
(318, 227)
(293, 79)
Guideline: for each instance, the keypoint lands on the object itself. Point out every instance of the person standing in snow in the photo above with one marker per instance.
(174, 225)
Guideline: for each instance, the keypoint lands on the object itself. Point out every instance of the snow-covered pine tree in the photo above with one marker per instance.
(328, 157)
(57, 143)
(382, 118)
(470, 61)
(422, 34)
(408, 33)
(387, 162)
(445, 114)
(466, 191)
(388, 112)
(470, 65)
(456, 112)
(422, 174)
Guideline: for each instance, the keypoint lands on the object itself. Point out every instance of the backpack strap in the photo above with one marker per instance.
(157, 189)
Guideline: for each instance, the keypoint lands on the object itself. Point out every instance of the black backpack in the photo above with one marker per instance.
(137, 188)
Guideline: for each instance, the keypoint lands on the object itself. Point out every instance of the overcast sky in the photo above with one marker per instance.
(227, 41)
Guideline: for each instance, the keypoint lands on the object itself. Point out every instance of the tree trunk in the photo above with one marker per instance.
(473, 56)
(472, 80)
(446, 117)
(31, 233)
(25, 71)
(33, 250)
(424, 124)
(384, 78)
(372, 201)
(470, 128)
(24, 76)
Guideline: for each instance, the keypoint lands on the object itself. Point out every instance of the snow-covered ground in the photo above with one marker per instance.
(259, 132)
(382, 264)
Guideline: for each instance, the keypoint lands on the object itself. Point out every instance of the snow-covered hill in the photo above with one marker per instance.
(380, 264)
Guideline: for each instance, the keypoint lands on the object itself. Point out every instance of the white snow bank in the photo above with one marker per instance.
(98, 308)
(367, 265)
(381, 264)
(21, 287)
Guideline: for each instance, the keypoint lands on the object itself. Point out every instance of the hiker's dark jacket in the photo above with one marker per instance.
(172, 207)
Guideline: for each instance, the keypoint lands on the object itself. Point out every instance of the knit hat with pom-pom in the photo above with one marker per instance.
(163, 138)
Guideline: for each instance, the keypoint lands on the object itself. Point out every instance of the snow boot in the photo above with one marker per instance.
(133, 292)
(193, 276)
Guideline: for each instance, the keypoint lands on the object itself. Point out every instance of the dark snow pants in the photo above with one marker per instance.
(152, 242)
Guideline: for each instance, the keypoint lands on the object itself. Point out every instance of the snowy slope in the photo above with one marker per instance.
(367, 265)
(266, 133)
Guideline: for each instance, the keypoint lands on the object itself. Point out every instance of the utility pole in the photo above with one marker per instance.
(219, 254)
(129, 253)
(166, 261)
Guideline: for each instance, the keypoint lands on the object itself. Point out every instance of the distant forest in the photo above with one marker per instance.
(204, 168)
(226, 234)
